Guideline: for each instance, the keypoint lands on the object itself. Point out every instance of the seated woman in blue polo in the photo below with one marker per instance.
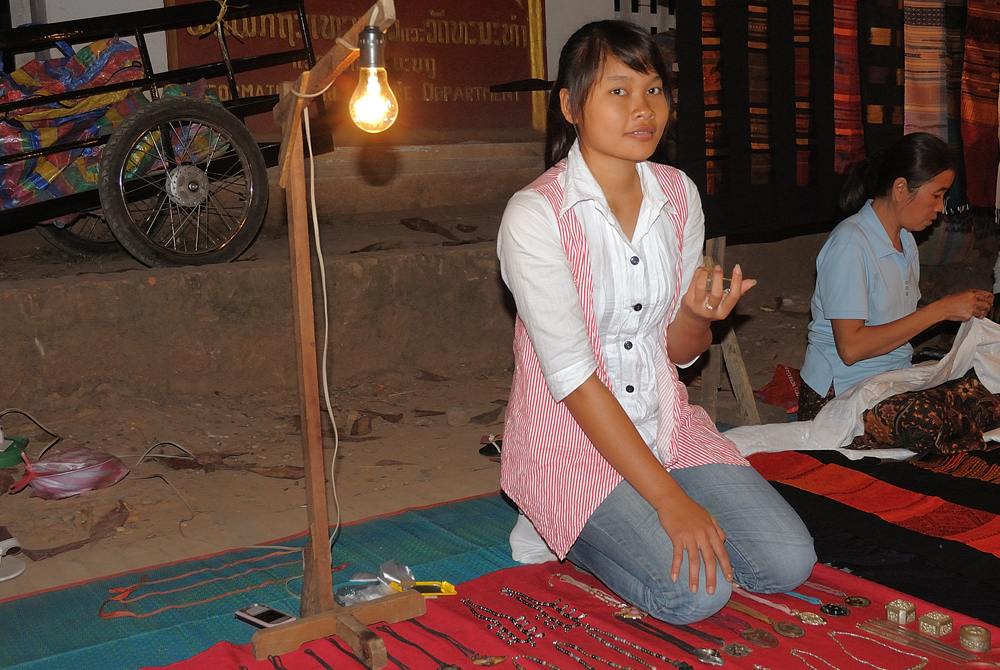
(865, 307)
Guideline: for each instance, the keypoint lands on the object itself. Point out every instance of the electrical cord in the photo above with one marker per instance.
(326, 327)
(14, 410)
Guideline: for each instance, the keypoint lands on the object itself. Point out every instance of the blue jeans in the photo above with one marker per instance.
(624, 545)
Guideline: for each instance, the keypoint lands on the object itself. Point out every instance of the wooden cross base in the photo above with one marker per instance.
(350, 624)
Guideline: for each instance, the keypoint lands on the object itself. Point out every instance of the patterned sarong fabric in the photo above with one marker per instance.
(849, 147)
(980, 92)
(926, 100)
(880, 53)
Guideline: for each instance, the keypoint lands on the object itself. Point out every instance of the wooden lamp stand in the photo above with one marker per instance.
(320, 616)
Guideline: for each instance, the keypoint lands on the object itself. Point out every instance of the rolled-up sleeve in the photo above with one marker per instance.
(535, 268)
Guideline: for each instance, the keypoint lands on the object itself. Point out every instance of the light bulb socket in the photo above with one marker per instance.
(371, 42)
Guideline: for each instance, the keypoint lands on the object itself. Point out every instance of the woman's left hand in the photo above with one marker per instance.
(709, 298)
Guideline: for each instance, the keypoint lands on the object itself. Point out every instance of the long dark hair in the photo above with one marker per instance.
(579, 64)
(917, 158)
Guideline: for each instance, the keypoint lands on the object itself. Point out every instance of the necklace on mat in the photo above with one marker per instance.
(392, 659)
(831, 609)
(755, 636)
(799, 654)
(703, 654)
(124, 594)
(597, 634)
(547, 619)
(565, 647)
(624, 609)
(785, 628)
(539, 661)
(853, 601)
(921, 660)
(492, 619)
(476, 658)
(441, 664)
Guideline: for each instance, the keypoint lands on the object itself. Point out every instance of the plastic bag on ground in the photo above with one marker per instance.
(69, 473)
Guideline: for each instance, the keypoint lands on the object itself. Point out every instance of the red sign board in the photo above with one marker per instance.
(442, 56)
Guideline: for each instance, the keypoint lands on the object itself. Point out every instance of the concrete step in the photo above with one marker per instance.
(397, 297)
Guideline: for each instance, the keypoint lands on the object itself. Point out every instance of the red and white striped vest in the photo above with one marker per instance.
(549, 467)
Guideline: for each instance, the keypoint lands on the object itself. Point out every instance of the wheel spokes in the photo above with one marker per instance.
(148, 183)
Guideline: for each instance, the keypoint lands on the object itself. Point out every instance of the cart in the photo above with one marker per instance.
(182, 181)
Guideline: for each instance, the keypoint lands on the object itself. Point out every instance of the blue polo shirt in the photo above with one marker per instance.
(859, 275)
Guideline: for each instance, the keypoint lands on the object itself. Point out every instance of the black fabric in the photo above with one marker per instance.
(904, 572)
(740, 207)
(880, 48)
(946, 573)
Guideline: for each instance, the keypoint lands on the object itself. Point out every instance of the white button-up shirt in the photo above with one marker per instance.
(633, 283)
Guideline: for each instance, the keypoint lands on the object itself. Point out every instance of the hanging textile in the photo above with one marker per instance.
(716, 139)
(880, 52)
(926, 100)
(758, 73)
(850, 146)
(755, 126)
(803, 113)
(956, 206)
(980, 91)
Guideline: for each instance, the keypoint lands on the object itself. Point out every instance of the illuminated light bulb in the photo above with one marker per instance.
(373, 105)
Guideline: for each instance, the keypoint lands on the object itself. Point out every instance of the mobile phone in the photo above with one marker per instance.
(262, 616)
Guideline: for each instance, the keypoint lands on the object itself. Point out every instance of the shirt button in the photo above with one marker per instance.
(630, 388)
(634, 260)
(628, 345)
(637, 306)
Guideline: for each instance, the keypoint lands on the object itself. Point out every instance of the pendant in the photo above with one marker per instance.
(736, 650)
(488, 660)
(633, 613)
(833, 609)
(760, 637)
(789, 629)
(857, 601)
(811, 619)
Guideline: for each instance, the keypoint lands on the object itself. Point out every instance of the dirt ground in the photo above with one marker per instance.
(422, 446)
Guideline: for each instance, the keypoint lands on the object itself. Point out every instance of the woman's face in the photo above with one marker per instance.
(920, 208)
(624, 115)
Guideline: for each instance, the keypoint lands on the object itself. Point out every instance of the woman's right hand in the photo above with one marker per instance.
(965, 305)
(691, 528)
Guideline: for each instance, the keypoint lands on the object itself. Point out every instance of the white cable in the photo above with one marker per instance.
(312, 95)
(14, 410)
(326, 325)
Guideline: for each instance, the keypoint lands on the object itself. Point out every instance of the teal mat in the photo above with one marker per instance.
(62, 629)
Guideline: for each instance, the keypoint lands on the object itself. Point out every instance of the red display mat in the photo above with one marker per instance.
(451, 616)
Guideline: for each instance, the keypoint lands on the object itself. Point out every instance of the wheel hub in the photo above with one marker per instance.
(187, 186)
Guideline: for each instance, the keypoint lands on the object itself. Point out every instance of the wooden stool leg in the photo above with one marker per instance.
(729, 352)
